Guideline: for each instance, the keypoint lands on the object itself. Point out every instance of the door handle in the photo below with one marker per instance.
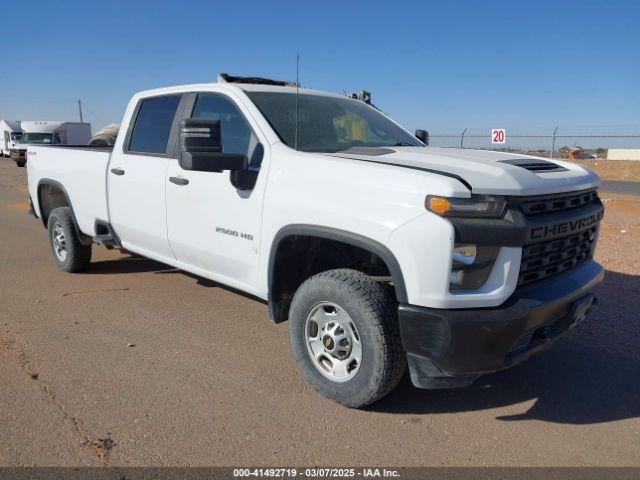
(179, 180)
(117, 171)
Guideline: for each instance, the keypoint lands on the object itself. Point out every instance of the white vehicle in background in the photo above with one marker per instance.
(43, 132)
(11, 132)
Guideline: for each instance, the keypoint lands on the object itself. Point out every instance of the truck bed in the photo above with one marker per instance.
(80, 170)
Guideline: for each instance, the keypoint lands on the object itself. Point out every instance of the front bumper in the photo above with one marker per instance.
(451, 348)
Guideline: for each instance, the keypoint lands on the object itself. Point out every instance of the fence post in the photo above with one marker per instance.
(553, 143)
(462, 138)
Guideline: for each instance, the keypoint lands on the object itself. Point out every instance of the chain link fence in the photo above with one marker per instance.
(610, 143)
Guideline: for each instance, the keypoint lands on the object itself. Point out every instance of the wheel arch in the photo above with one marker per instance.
(46, 208)
(278, 309)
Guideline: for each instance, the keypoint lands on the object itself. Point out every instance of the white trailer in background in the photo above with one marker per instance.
(10, 131)
(44, 132)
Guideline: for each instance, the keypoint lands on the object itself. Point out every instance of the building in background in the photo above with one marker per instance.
(623, 154)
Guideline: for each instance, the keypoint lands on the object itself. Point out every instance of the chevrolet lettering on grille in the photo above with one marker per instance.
(563, 228)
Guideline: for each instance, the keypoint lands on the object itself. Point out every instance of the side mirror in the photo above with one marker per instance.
(244, 179)
(423, 136)
(201, 147)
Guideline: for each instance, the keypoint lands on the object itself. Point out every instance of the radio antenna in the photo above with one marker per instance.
(297, 88)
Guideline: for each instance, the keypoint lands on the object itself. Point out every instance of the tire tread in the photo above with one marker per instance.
(78, 254)
(372, 298)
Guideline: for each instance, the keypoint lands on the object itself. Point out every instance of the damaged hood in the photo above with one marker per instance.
(484, 171)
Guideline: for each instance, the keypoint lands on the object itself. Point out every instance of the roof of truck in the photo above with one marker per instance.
(238, 86)
(279, 89)
(261, 84)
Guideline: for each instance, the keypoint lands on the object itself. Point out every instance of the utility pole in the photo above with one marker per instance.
(80, 110)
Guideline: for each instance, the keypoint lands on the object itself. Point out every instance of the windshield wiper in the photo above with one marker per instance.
(403, 144)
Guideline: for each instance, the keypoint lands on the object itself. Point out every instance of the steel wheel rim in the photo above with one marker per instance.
(59, 242)
(333, 342)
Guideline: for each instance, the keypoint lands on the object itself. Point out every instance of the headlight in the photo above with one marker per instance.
(471, 266)
(478, 206)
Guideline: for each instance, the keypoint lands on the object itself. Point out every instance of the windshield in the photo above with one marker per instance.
(329, 124)
(16, 135)
(37, 138)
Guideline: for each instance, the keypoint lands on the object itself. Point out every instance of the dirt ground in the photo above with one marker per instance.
(628, 170)
(136, 363)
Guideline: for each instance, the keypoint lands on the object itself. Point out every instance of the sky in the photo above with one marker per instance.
(441, 66)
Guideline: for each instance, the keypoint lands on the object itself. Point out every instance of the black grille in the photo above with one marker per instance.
(542, 260)
(556, 203)
(537, 166)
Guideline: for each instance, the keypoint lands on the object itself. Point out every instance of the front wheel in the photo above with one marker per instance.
(344, 334)
(69, 253)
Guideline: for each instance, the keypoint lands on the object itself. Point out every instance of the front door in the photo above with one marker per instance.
(137, 178)
(214, 228)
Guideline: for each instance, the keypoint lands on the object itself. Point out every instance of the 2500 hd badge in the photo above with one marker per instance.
(234, 233)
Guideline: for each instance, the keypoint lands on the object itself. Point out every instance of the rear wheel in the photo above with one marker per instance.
(69, 253)
(345, 337)
(21, 163)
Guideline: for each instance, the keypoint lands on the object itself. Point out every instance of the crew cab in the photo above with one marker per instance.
(379, 250)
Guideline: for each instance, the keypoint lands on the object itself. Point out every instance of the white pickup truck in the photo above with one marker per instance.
(380, 250)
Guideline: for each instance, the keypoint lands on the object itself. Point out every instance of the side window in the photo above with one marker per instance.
(237, 135)
(153, 124)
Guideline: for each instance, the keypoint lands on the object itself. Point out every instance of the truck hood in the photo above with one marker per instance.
(484, 171)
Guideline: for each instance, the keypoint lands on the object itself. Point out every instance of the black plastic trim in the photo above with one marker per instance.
(535, 165)
(85, 239)
(342, 236)
(32, 210)
(111, 239)
(468, 342)
(58, 185)
(516, 229)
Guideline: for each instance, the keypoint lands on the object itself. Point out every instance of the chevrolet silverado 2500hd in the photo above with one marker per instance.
(379, 250)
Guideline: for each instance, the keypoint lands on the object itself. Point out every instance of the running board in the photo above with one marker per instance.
(105, 235)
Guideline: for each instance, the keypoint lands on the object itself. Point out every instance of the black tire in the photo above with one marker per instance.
(77, 255)
(21, 163)
(373, 312)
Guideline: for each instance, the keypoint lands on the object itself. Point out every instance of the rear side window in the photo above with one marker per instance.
(153, 124)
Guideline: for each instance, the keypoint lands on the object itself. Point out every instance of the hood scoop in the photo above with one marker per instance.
(535, 165)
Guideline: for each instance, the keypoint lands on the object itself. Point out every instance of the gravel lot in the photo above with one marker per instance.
(613, 169)
(135, 363)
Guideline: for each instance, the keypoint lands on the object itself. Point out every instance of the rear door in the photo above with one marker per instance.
(137, 177)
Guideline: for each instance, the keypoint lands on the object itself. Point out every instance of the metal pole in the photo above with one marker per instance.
(80, 110)
(462, 138)
(295, 140)
(553, 143)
